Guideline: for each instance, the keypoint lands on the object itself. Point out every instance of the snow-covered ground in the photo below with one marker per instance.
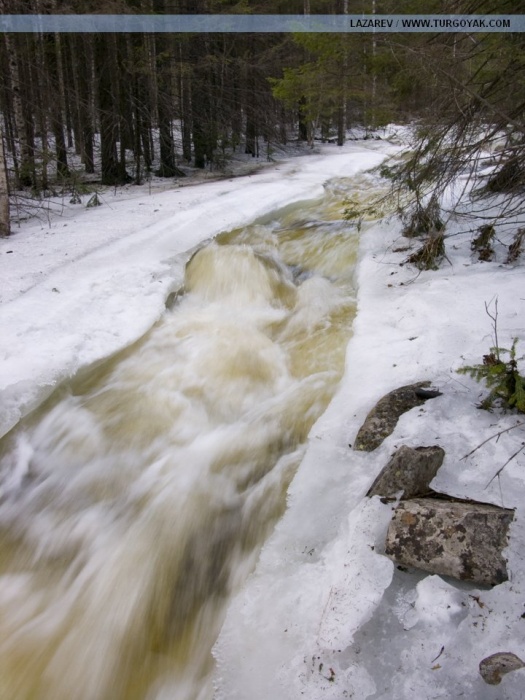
(325, 614)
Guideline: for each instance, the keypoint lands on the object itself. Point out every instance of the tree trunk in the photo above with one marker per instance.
(236, 111)
(186, 118)
(42, 111)
(199, 144)
(44, 179)
(26, 168)
(167, 159)
(137, 148)
(185, 105)
(77, 109)
(303, 125)
(62, 108)
(340, 126)
(283, 136)
(60, 112)
(167, 166)
(145, 136)
(133, 50)
(86, 73)
(198, 104)
(252, 131)
(120, 79)
(10, 139)
(105, 69)
(57, 119)
(5, 227)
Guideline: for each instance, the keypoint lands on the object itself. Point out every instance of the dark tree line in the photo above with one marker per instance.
(129, 104)
(126, 101)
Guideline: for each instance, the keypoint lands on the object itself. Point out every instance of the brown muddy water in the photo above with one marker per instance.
(136, 500)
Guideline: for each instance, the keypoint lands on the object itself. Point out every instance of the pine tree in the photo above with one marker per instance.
(5, 227)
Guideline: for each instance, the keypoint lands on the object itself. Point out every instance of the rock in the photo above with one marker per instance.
(497, 665)
(410, 470)
(382, 419)
(451, 538)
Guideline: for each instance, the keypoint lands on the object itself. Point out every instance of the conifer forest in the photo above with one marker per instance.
(125, 105)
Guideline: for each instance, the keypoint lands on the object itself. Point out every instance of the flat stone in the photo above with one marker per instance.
(450, 538)
(382, 419)
(497, 665)
(410, 471)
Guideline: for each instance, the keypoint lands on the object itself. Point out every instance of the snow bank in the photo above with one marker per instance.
(326, 615)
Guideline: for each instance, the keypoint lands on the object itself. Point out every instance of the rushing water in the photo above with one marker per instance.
(136, 500)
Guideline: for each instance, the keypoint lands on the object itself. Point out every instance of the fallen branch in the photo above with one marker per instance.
(496, 435)
(503, 467)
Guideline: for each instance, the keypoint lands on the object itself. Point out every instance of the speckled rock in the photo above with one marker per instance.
(497, 665)
(409, 471)
(382, 419)
(463, 540)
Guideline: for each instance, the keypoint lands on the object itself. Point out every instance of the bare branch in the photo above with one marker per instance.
(507, 462)
(496, 435)
(494, 319)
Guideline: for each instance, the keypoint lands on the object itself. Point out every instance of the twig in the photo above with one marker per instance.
(496, 435)
(503, 467)
(437, 657)
(324, 611)
(494, 324)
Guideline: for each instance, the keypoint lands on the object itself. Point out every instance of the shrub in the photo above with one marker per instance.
(506, 384)
(516, 247)
(482, 243)
(423, 219)
(430, 255)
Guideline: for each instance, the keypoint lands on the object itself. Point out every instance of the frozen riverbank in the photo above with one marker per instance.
(326, 615)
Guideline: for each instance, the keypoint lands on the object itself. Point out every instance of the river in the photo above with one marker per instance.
(135, 501)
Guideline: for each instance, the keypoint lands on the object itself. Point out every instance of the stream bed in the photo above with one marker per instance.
(135, 501)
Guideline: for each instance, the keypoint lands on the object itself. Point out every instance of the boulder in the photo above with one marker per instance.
(464, 540)
(497, 665)
(382, 419)
(410, 471)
